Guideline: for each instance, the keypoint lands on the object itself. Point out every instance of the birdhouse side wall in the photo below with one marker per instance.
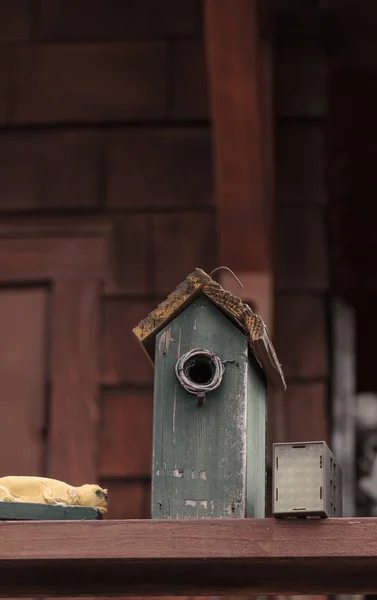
(256, 441)
(199, 452)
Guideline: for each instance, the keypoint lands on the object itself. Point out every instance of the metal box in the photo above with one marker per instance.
(306, 481)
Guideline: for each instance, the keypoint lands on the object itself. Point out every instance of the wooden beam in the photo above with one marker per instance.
(344, 398)
(239, 74)
(233, 70)
(74, 410)
(205, 557)
(48, 249)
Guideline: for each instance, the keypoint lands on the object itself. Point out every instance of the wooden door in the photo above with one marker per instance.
(50, 282)
(23, 376)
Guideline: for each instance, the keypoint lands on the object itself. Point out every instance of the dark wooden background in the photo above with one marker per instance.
(104, 113)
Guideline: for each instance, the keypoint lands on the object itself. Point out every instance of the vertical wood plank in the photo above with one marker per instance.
(300, 163)
(74, 414)
(344, 399)
(266, 93)
(130, 255)
(199, 452)
(301, 335)
(240, 83)
(189, 88)
(23, 320)
(300, 78)
(305, 269)
(232, 47)
(15, 20)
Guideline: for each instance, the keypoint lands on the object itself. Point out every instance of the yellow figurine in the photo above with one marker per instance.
(42, 490)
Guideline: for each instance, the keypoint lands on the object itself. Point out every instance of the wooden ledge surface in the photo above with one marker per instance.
(139, 558)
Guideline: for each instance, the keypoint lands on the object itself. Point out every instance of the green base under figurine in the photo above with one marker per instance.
(28, 511)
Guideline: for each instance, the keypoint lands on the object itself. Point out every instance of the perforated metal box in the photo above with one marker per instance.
(307, 481)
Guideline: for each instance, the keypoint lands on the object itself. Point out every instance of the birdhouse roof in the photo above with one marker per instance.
(240, 313)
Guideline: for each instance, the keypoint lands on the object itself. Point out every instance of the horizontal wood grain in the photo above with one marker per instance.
(55, 170)
(56, 227)
(89, 82)
(235, 556)
(44, 259)
(49, 249)
(82, 20)
(159, 168)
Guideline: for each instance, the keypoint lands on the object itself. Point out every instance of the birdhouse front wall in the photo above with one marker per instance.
(200, 452)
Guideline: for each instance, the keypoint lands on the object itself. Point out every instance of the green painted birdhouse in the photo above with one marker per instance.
(213, 358)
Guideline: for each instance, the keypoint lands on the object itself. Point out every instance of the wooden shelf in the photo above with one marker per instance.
(235, 556)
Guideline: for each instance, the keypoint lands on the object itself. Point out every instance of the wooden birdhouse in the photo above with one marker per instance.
(213, 357)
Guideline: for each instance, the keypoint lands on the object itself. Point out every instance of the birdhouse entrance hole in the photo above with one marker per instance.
(200, 369)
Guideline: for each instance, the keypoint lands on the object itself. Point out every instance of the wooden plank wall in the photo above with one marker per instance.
(301, 301)
(103, 111)
(239, 46)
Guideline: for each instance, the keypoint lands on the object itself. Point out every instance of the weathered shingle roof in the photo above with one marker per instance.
(241, 314)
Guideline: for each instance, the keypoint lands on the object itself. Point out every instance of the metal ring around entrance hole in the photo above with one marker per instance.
(193, 365)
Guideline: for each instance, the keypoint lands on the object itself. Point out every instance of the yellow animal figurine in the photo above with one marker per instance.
(42, 490)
